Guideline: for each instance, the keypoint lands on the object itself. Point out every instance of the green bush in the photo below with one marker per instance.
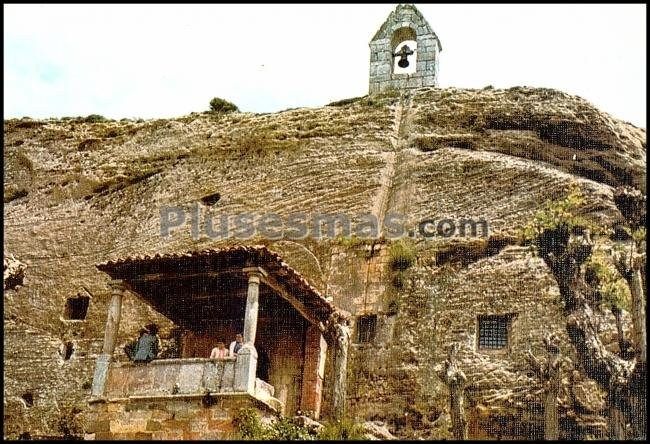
(402, 255)
(248, 424)
(284, 429)
(219, 105)
(559, 214)
(345, 429)
(94, 118)
(611, 284)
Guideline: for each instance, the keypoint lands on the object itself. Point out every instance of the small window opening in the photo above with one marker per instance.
(493, 331)
(211, 199)
(366, 326)
(77, 307)
(28, 398)
(67, 349)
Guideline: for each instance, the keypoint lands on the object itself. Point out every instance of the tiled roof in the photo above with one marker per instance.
(260, 255)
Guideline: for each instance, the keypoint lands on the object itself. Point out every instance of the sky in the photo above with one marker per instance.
(158, 61)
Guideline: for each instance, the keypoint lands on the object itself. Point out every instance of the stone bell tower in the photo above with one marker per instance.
(404, 52)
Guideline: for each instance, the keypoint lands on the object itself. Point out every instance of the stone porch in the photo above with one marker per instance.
(210, 295)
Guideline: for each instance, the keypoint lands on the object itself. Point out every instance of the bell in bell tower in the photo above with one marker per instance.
(404, 52)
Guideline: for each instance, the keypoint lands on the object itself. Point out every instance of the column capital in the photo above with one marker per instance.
(257, 272)
(117, 286)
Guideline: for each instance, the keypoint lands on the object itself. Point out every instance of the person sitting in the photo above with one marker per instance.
(236, 345)
(130, 348)
(146, 348)
(220, 351)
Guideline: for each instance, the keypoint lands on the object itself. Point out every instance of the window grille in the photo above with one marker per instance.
(366, 326)
(493, 331)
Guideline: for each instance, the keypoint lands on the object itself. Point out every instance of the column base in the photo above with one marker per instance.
(245, 369)
(101, 375)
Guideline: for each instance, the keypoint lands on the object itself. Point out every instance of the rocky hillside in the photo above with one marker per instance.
(79, 191)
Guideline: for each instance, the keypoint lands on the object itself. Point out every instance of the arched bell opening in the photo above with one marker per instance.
(404, 47)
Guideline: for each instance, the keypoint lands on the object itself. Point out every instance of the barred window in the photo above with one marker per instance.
(366, 326)
(493, 331)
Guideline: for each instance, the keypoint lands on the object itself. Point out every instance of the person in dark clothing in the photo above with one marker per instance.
(236, 345)
(146, 348)
(130, 348)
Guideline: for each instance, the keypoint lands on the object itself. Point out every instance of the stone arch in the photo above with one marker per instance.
(404, 36)
(401, 35)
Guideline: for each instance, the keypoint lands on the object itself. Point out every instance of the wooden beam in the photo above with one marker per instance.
(175, 276)
(299, 306)
(255, 270)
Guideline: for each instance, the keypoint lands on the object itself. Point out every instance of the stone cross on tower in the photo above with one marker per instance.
(404, 24)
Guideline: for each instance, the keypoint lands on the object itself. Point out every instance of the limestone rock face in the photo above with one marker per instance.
(376, 430)
(78, 193)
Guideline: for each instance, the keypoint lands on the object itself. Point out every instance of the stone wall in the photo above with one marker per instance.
(169, 419)
(170, 376)
(405, 23)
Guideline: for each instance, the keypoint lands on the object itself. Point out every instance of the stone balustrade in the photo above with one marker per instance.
(166, 377)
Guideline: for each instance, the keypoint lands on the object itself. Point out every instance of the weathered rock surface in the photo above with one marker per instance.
(13, 272)
(376, 430)
(79, 193)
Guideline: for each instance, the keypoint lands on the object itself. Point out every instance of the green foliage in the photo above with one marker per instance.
(94, 118)
(557, 214)
(284, 429)
(219, 105)
(345, 429)
(402, 255)
(639, 236)
(248, 424)
(352, 241)
(613, 288)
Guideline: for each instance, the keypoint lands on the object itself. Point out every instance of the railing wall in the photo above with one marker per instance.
(170, 377)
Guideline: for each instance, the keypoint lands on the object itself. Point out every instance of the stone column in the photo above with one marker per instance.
(114, 315)
(252, 303)
(340, 358)
(110, 338)
(245, 369)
